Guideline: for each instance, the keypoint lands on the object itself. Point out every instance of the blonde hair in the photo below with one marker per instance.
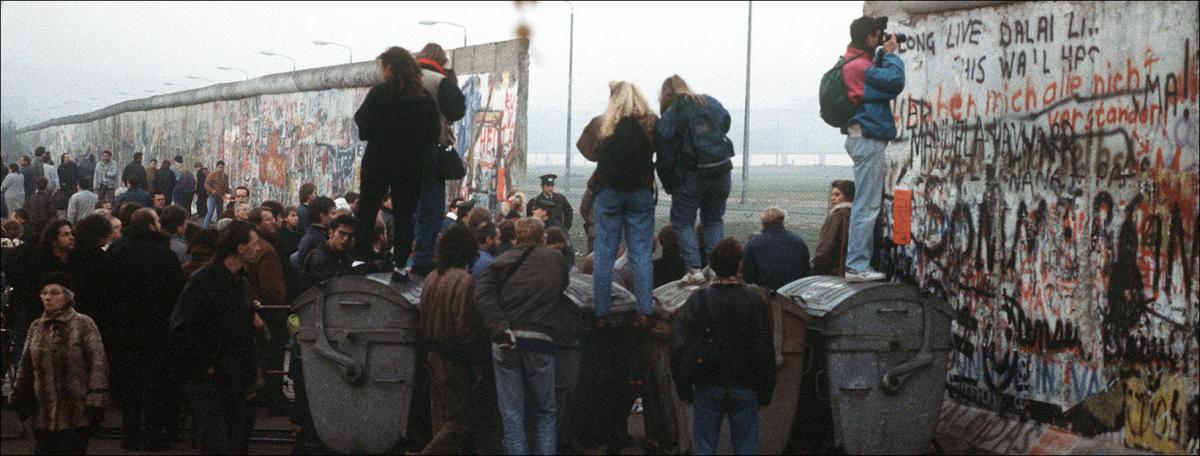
(529, 230)
(624, 100)
(773, 215)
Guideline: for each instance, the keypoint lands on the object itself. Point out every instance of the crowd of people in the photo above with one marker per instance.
(160, 285)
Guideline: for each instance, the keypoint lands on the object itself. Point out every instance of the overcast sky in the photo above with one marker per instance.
(56, 56)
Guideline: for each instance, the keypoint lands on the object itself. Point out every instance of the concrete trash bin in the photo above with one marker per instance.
(358, 342)
(885, 349)
(775, 422)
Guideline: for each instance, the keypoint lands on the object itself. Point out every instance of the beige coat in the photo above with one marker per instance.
(64, 368)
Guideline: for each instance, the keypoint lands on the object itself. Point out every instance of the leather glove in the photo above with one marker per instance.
(95, 415)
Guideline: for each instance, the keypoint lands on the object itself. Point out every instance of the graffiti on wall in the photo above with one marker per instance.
(1051, 150)
(274, 143)
(487, 138)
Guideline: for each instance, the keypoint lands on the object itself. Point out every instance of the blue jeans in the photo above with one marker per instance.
(214, 210)
(630, 213)
(525, 380)
(712, 404)
(708, 195)
(869, 160)
(430, 212)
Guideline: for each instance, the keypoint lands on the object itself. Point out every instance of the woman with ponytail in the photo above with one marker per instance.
(399, 120)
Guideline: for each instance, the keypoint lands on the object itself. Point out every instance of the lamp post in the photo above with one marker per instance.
(175, 85)
(210, 81)
(329, 43)
(570, 83)
(746, 117)
(235, 69)
(464, 29)
(272, 54)
(152, 91)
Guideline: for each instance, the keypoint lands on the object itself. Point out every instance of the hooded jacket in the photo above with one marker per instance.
(873, 84)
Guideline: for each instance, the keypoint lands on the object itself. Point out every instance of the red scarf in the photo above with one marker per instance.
(436, 67)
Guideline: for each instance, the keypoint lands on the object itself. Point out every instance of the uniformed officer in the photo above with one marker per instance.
(562, 211)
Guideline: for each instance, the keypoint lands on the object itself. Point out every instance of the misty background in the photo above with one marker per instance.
(65, 58)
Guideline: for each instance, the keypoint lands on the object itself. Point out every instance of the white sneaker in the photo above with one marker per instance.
(693, 277)
(869, 275)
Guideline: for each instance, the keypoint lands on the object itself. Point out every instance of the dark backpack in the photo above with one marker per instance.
(710, 147)
(836, 108)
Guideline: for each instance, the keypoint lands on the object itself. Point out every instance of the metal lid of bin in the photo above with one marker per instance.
(378, 284)
(829, 296)
(670, 297)
(581, 292)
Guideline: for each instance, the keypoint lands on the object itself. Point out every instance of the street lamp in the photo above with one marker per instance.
(324, 43)
(152, 91)
(464, 29)
(235, 69)
(175, 85)
(746, 116)
(272, 54)
(210, 81)
(570, 83)
(127, 94)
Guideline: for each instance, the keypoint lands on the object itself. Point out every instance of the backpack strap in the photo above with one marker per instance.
(513, 269)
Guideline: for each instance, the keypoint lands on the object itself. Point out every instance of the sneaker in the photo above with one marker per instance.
(869, 275)
(693, 277)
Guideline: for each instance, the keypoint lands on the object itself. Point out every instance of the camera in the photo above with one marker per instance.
(882, 24)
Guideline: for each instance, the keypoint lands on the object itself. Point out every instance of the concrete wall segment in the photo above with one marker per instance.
(278, 131)
(1051, 150)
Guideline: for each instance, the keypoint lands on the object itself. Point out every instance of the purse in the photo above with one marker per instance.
(449, 165)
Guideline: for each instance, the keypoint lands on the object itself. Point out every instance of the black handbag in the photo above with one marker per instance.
(449, 165)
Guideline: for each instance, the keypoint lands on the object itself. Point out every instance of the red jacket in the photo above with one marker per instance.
(854, 73)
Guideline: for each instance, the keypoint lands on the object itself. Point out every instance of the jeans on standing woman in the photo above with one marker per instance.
(868, 156)
(630, 214)
(430, 212)
(525, 381)
(708, 195)
(711, 405)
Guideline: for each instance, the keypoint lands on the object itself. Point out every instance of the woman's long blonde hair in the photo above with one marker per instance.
(624, 100)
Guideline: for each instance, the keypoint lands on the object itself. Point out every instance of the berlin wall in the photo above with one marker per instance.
(280, 131)
(1045, 182)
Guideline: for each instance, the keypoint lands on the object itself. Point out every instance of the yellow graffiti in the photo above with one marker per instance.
(1154, 420)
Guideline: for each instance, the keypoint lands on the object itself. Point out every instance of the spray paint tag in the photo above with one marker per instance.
(901, 216)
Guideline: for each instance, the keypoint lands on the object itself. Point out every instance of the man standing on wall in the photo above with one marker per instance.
(871, 85)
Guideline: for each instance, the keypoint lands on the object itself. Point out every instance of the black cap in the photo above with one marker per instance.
(541, 203)
(863, 26)
(466, 204)
(548, 179)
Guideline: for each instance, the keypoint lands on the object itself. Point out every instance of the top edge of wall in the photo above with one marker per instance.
(346, 75)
